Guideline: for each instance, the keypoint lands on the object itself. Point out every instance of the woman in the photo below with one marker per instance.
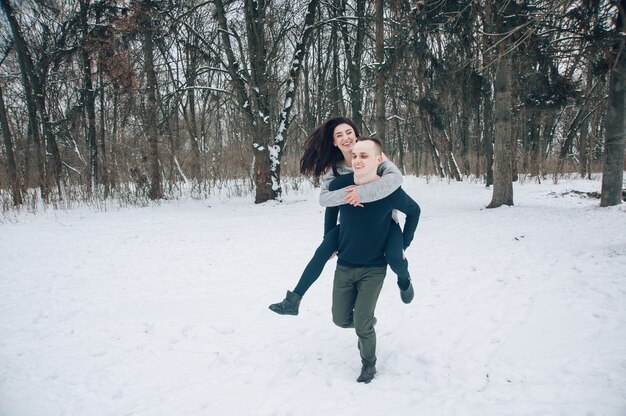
(328, 151)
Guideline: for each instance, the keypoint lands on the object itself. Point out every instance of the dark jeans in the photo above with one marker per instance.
(393, 254)
(355, 293)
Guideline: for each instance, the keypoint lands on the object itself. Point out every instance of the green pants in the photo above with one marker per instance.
(355, 293)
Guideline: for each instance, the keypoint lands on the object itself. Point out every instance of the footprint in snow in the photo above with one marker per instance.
(224, 328)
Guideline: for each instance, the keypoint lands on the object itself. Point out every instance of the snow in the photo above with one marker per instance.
(162, 310)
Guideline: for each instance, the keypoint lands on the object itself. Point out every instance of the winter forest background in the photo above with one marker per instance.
(140, 132)
(139, 100)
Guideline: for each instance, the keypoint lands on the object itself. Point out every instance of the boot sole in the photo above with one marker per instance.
(283, 312)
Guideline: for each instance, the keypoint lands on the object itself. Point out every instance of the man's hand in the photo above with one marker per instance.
(352, 197)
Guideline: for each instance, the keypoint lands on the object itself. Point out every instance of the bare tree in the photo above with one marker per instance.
(503, 147)
(31, 106)
(254, 92)
(151, 120)
(89, 96)
(613, 172)
(379, 76)
(8, 145)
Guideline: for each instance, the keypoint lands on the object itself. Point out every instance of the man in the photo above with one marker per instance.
(361, 264)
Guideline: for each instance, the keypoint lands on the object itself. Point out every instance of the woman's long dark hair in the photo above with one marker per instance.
(319, 151)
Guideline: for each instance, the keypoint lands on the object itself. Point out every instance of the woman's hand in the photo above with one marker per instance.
(352, 197)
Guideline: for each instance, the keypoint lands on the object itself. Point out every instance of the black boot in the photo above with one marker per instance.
(406, 291)
(289, 306)
(367, 374)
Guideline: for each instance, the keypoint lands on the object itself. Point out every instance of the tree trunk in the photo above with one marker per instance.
(533, 134)
(434, 152)
(192, 122)
(267, 148)
(89, 99)
(114, 176)
(487, 94)
(613, 171)
(8, 144)
(464, 120)
(488, 134)
(104, 166)
(255, 16)
(379, 73)
(335, 79)
(276, 150)
(453, 166)
(353, 60)
(23, 57)
(156, 187)
(502, 172)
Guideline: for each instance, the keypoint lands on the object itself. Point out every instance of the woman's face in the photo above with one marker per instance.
(344, 138)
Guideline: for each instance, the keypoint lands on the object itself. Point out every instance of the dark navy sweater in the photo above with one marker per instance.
(363, 232)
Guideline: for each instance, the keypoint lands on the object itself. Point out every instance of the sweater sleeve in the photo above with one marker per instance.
(411, 209)
(330, 198)
(330, 218)
(390, 180)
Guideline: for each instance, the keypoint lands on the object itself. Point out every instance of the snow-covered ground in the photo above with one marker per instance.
(163, 310)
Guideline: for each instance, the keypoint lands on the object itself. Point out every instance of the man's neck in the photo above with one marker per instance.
(362, 181)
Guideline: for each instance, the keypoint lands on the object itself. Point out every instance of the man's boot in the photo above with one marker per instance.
(406, 291)
(289, 305)
(367, 374)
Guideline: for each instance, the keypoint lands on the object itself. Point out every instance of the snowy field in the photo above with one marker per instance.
(163, 310)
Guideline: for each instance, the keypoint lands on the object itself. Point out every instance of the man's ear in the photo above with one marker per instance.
(379, 159)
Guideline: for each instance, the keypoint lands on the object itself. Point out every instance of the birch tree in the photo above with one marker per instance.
(253, 91)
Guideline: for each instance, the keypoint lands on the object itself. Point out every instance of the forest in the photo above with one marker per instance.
(143, 100)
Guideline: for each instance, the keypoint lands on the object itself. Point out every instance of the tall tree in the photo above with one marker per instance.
(503, 150)
(503, 147)
(379, 71)
(353, 49)
(24, 59)
(12, 170)
(613, 172)
(89, 96)
(254, 92)
(151, 119)
(487, 106)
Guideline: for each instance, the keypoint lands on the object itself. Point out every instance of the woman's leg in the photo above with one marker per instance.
(312, 271)
(291, 304)
(395, 256)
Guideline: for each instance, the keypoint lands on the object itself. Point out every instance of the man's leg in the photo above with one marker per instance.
(368, 286)
(344, 296)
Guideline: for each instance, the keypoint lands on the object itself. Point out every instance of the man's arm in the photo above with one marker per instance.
(330, 218)
(390, 180)
(404, 203)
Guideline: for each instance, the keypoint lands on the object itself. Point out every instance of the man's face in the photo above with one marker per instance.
(344, 137)
(365, 158)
